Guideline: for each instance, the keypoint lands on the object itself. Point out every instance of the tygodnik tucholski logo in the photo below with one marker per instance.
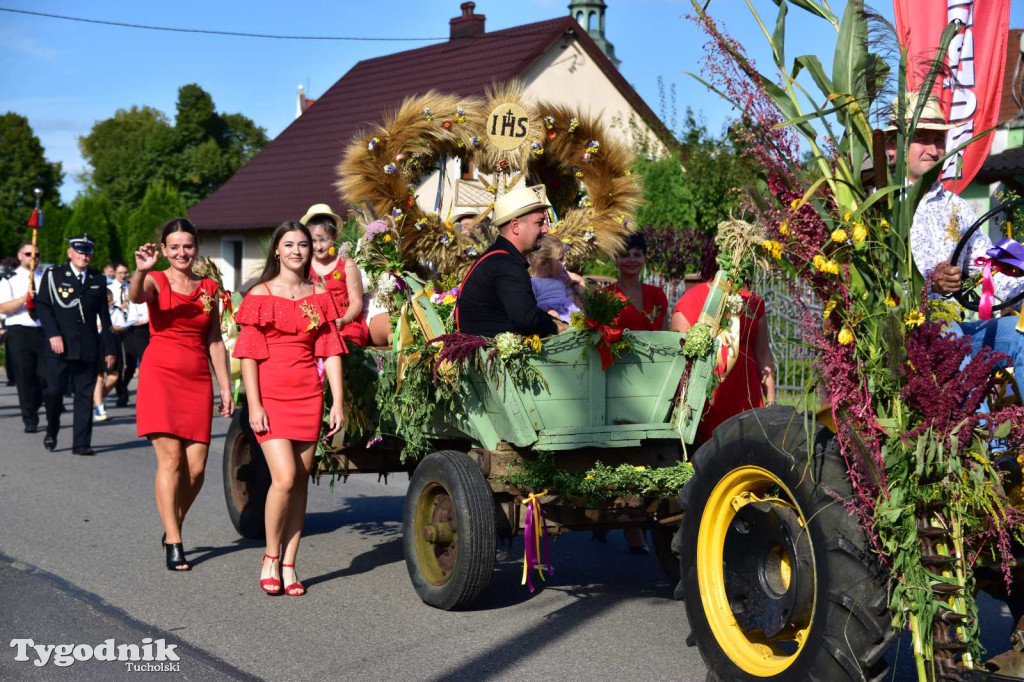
(150, 656)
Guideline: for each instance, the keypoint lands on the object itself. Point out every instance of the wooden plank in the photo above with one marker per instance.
(661, 407)
(545, 446)
(596, 390)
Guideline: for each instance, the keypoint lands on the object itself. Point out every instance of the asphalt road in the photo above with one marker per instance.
(80, 562)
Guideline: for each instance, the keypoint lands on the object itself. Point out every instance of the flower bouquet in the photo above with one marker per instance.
(902, 393)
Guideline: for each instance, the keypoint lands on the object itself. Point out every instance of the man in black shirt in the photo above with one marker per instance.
(496, 295)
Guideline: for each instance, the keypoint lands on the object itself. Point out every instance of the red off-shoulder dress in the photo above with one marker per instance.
(336, 284)
(285, 337)
(175, 393)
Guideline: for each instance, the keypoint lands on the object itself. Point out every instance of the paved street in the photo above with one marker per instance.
(80, 562)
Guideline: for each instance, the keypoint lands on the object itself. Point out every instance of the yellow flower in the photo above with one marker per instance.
(448, 299)
(784, 228)
(336, 274)
(589, 476)
(913, 319)
(533, 342)
(641, 468)
(332, 251)
(826, 265)
(387, 238)
(845, 336)
(890, 301)
(795, 204)
(829, 307)
(847, 216)
(860, 233)
(428, 293)
(552, 230)
(773, 248)
(839, 236)
(884, 224)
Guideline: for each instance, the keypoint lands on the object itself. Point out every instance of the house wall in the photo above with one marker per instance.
(567, 75)
(218, 246)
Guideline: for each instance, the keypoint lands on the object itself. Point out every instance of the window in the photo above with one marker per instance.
(590, 21)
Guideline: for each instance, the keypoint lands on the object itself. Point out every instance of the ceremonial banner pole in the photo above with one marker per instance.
(976, 60)
(35, 221)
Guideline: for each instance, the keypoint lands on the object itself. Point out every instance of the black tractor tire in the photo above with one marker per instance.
(448, 530)
(246, 478)
(834, 595)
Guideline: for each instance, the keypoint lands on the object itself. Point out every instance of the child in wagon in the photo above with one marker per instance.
(555, 288)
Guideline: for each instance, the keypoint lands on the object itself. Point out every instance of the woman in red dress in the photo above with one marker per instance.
(288, 322)
(174, 400)
(752, 381)
(645, 311)
(339, 275)
(646, 305)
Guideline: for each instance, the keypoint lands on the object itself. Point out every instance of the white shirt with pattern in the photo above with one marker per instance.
(933, 236)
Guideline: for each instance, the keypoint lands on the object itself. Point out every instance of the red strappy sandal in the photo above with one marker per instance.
(270, 585)
(294, 586)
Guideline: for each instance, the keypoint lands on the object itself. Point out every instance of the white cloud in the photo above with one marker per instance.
(18, 42)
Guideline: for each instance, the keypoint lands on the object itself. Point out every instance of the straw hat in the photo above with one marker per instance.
(320, 209)
(932, 117)
(460, 212)
(520, 201)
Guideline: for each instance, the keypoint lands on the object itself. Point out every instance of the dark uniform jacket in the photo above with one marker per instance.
(70, 309)
(497, 296)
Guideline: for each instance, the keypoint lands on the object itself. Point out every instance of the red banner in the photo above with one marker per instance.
(977, 60)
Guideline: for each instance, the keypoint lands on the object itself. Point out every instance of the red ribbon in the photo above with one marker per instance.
(606, 337)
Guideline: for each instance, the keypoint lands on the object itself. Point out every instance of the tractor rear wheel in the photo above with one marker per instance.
(779, 579)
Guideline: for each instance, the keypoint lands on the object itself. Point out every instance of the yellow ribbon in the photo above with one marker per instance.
(1020, 324)
(403, 339)
(532, 504)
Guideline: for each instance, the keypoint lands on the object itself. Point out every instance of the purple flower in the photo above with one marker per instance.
(375, 228)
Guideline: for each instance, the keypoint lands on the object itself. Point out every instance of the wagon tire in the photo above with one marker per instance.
(448, 530)
(779, 579)
(246, 478)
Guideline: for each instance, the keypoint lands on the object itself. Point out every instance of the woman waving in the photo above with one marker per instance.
(288, 322)
(174, 400)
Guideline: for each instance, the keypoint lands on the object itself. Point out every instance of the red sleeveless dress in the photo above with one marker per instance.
(334, 281)
(175, 392)
(285, 337)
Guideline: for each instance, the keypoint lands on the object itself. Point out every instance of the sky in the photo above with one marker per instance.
(64, 76)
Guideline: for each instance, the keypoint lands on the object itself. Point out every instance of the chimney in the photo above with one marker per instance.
(469, 25)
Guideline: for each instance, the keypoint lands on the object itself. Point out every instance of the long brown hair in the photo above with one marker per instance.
(272, 268)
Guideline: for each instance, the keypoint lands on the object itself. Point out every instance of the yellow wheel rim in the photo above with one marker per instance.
(436, 534)
(749, 650)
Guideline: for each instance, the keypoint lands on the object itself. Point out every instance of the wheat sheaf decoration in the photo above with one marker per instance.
(585, 173)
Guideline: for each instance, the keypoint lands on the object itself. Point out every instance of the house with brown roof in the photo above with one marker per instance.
(559, 60)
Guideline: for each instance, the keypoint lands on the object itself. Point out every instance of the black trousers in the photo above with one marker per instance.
(82, 374)
(25, 347)
(133, 344)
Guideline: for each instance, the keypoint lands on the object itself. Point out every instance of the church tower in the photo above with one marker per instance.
(590, 15)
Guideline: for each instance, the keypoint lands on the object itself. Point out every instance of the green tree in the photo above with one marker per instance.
(195, 155)
(126, 152)
(161, 203)
(52, 244)
(668, 198)
(23, 167)
(91, 214)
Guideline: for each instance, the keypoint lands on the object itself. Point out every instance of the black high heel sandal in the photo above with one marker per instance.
(176, 557)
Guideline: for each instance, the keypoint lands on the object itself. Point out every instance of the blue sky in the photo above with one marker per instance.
(64, 76)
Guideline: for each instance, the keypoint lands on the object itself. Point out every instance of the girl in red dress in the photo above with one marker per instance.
(174, 399)
(646, 305)
(753, 373)
(288, 322)
(337, 274)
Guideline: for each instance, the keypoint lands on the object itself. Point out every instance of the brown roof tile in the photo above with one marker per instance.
(1008, 109)
(297, 169)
